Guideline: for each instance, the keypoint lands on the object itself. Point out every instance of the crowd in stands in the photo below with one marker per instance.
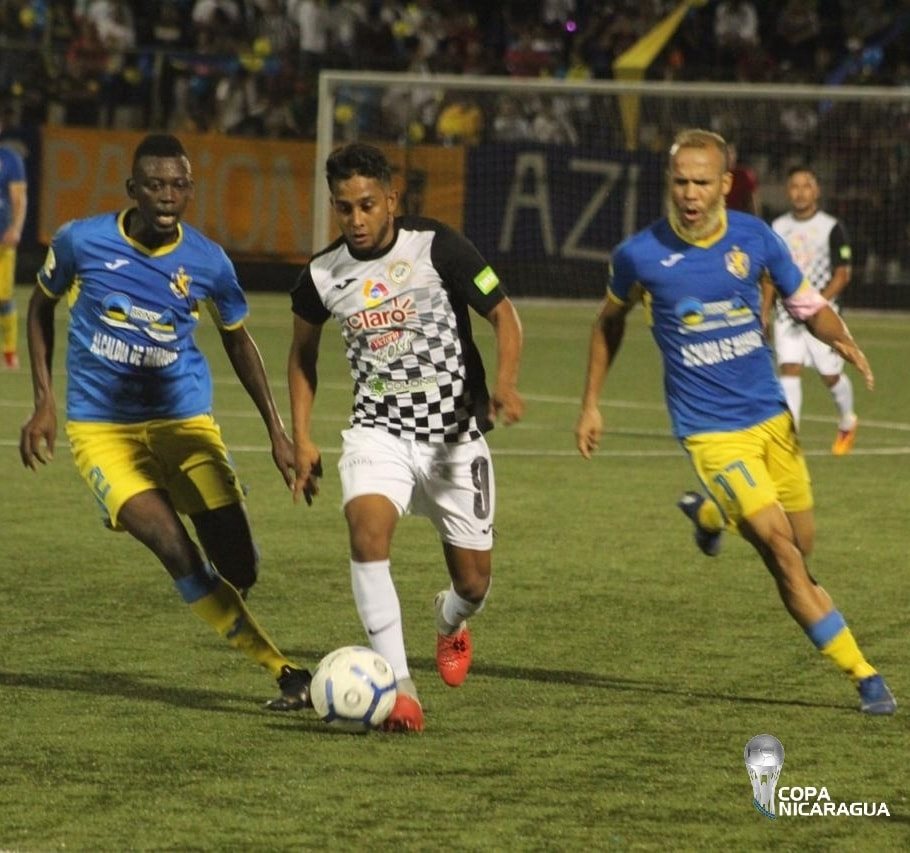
(249, 66)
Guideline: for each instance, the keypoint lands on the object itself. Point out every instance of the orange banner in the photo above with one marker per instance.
(252, 195)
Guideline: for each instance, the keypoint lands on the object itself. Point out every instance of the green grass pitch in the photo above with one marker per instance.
(618, 673)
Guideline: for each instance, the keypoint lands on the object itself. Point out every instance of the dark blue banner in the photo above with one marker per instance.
(560, 210)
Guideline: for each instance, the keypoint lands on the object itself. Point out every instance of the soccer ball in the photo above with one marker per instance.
(353, 689)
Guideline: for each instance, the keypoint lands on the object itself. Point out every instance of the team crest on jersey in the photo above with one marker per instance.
(375, 292)
(399, 272)
(737, 262)
(180, 283)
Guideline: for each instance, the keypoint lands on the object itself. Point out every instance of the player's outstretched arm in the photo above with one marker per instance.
(606, 338)
(247, 363)
(505, 401)
(302, 382)
(828, 326)
(39, 432)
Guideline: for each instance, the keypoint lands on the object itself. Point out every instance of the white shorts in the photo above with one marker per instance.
(451, 484)
(797, 345)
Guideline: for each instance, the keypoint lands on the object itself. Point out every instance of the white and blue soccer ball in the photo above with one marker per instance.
(353, 689)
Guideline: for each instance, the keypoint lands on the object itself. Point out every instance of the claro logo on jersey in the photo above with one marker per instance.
(395, 313)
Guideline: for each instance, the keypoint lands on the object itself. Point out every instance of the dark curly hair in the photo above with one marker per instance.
(357, 158)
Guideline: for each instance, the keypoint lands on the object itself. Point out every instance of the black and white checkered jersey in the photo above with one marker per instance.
(818, 245)
(405, 321)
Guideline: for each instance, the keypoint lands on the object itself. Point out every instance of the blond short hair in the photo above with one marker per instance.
(695, 137)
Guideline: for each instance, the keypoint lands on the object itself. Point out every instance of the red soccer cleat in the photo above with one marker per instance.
(843, 444)
(453, 651)
(11, 360)
(406, 716)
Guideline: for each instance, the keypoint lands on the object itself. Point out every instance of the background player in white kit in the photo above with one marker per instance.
(401, 289)
(819, 245)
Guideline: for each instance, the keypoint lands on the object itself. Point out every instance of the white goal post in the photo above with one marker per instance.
(548, 208)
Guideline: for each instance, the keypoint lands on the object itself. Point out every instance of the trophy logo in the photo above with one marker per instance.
(764, 756)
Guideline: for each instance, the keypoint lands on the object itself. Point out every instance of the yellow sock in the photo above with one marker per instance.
(9, 328)
(709, 516)
(223, 608)
(844, 651)
(835, 641)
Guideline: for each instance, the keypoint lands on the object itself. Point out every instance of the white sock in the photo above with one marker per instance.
(456, 610)
(380, 612)
(842, 392)
(793, 393)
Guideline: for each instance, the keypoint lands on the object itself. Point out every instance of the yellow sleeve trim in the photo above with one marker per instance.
(46, 292)
(216, 317)
(612, 297)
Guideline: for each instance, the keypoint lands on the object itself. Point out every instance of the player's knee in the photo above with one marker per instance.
(471, 572)
(241, 568)
(473, 588)
(369, 543)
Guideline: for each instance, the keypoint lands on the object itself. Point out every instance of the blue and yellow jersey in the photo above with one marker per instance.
(703, 303)
(12, 171)
(132, 355)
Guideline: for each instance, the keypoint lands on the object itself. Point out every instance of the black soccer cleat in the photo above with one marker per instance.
(295, 690)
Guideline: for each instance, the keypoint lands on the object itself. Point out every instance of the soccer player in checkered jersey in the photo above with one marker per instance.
(401, 290)
(819, 245)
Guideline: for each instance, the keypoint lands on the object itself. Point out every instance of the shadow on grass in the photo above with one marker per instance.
(144, 688)
(597, 681)
(131, 686)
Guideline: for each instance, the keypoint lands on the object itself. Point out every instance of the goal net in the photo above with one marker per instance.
(547, 176)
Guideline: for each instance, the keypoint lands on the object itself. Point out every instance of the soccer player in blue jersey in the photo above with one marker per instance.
(139, 393)
(13, 204)
(697, 272)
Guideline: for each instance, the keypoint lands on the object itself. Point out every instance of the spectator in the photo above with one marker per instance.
(460, 122)
(529, 57)
(743, 194)
(168, 29)
(736, 32)
(510, 123)
(275, 32)
(240, 107)
(214, 14)
(551, 123)
(798, 29)
(85, 69)
(313, 22)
